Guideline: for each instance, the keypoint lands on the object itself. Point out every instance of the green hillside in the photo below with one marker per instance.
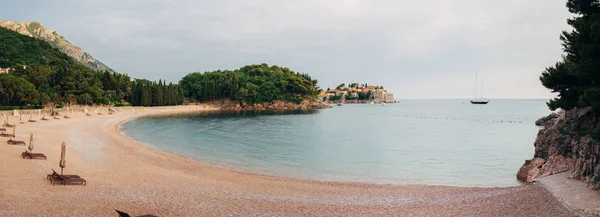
(16, 49)
(42, 75)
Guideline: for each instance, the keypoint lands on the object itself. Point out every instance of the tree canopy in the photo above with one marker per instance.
(252, 83)
(576, 78)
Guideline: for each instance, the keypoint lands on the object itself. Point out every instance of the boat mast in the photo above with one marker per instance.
(482, 86)
(476, 81)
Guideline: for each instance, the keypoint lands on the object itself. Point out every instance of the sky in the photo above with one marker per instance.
(414, 48)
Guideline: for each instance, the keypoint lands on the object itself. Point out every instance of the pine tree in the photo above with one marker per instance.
(577, 77)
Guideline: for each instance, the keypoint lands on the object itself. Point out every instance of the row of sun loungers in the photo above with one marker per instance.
(56, 178)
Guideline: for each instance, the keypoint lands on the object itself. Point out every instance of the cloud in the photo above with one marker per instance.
(415, 48)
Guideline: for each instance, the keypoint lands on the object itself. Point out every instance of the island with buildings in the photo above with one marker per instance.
(357, 93)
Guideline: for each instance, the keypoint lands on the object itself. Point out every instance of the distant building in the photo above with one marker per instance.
(4, 70)
(389, 98)
(377, 97)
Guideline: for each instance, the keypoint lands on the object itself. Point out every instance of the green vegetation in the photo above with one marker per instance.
(576, 78)
(156, 94)
(252, 84)
(334, 98)
(42, 74)
(16, 49)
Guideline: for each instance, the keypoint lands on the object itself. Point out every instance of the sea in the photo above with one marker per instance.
(426, 142)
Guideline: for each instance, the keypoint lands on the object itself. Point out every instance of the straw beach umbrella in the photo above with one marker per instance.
(14, 131)
(63, 153)
(30, 143)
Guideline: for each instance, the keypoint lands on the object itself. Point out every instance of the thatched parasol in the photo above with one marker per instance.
(14, 131)
(30, 143)
(63, 161)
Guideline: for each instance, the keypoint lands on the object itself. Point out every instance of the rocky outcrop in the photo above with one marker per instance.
(530, 170)
(566, 143)
(36, 30)
(547, 119)
(307, 104)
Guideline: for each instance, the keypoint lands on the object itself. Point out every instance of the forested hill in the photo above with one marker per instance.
(40, 74)
(16, 49)
(36, 30)
(252, 84)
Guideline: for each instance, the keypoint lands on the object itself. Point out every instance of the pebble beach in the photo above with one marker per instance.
(124, 175)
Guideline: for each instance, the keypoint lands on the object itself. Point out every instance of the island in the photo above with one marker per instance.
(356, 93)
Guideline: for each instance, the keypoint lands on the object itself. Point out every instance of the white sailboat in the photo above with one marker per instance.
(477, 100)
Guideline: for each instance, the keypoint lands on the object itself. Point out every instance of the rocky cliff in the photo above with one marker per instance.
(568, 142)
(307, 104)
(36, 30)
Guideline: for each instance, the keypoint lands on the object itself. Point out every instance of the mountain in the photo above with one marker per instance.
(36, 30)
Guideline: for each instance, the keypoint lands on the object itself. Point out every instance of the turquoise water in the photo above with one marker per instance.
(433, 142)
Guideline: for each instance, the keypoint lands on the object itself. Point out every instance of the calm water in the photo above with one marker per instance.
(434, 142)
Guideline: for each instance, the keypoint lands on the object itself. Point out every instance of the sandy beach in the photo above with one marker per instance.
(131, 177)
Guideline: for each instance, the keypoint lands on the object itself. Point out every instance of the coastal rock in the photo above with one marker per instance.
(546, 120)
(530, 170)
(307, 104)
(555, 164)
(570, 142)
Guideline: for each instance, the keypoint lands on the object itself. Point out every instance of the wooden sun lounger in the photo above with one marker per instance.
(9, 125)
(67, 117)
(44, 119)
(32, 120)
(88, 114)
(33, 156)
(54, 174)
(68, 180)
(2, 129)
(14, 142)
(56, 117)
(124, 214)
(6, 135)
(65, 179)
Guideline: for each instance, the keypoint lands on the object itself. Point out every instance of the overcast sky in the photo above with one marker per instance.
(415, 48)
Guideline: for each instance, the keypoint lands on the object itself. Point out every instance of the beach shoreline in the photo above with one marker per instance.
(126, 175)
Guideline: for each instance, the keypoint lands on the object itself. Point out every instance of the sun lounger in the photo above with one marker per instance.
(44, 119)
(68, 180)
(56, 178)
(54, 174)
(33, 156)
(67, 117)
(9, 125)
(56, 117)
(88, 114)
(6, 135)
(14, 142)
(32, 120)
(2, 129)
(124, 214)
